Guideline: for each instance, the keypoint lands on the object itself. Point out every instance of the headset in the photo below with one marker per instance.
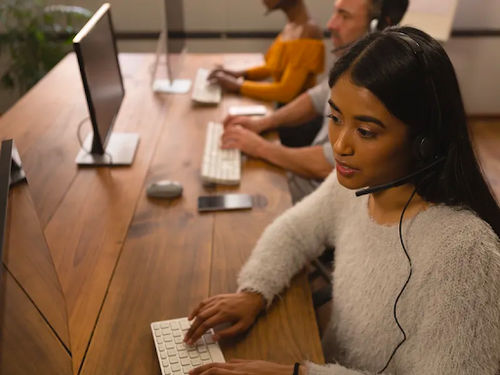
(425, 150)
(376, 20)
(390, 13)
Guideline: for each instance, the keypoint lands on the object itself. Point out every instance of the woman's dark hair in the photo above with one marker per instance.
(428, 100)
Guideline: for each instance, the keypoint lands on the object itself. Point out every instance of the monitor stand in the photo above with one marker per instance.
(170, 85)
(120, 150)
(177, 86)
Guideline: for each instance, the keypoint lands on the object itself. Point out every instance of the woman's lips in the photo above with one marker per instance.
(344, 169)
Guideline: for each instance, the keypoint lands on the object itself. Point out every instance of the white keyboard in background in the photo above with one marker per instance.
(174, 355)
(203, 91)
(219, 166)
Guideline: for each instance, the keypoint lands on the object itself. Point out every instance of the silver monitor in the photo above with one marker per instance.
(170, 52)
(95, 47)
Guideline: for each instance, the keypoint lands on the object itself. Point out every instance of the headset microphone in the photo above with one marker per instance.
(399, 181)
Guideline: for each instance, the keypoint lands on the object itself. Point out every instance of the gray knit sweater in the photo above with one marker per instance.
(450, 309)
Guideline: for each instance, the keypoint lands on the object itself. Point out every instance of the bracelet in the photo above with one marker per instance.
(296, 368)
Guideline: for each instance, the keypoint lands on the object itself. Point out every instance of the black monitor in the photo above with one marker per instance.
(170, 51)
(5, 170)
(95, 48)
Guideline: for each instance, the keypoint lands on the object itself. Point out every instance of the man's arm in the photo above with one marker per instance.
(309, 162)
(297, 112)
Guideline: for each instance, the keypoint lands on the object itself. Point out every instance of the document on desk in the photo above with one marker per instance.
(247, 110)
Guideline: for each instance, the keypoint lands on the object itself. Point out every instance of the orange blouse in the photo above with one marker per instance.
(293, 65)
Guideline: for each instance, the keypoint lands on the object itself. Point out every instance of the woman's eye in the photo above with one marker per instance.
(366, 133)
(334, 118)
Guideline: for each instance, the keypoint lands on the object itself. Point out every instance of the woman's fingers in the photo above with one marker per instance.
(201, 317)
(213, 368)
(230, 331)
(205, 325)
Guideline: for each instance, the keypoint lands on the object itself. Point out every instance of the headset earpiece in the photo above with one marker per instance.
(374, 25)
(424, 148)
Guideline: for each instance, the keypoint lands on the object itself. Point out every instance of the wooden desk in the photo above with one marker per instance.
(124, 260)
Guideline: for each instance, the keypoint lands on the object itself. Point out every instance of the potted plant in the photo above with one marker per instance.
(33, 38)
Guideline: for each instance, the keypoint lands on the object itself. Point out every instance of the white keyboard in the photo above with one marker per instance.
(205, 92)
(219, 166)
(174, 355)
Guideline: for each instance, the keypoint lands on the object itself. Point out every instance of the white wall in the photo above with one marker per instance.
(477, 60)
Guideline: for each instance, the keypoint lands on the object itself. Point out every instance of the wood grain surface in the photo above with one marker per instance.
(124, 260)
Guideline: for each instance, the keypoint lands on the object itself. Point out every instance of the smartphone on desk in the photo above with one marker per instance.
(224, 202)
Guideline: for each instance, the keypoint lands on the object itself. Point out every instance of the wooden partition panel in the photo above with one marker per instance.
(27, 344)
(28, 259)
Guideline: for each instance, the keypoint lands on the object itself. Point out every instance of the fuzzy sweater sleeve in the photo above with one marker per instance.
(298, 235)
(459, 331)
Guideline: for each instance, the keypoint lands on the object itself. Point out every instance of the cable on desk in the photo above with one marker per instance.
(78, 134)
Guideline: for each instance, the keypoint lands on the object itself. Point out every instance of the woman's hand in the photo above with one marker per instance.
(240, 309)
(243, 139)
(239, 366)
(233, 73)
(226, 81)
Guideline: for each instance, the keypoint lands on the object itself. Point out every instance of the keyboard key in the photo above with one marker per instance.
(196, 362)
(205, 356)
(208, 339)
(176, 367)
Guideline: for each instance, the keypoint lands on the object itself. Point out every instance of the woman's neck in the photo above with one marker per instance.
(385, 207)
(297, 13)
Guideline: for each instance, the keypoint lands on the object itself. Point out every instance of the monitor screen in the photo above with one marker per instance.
(175, 38)
(95, 47)
(174, 20)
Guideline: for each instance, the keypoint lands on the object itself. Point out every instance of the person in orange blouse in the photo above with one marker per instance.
(294, 59)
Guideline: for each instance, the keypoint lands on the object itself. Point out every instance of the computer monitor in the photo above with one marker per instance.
(95, 48)
(171, 52)
(5, 170)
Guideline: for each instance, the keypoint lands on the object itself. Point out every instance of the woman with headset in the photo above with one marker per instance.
(294, 59)
(416, 282)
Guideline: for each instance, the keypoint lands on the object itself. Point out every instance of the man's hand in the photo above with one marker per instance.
(257, 125)
(243, 139)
